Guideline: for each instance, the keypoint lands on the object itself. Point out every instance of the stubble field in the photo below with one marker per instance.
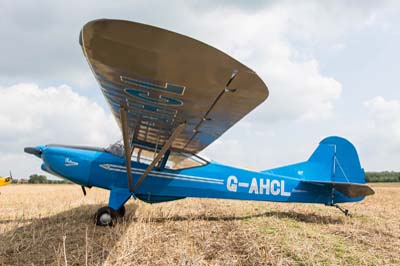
(53, 225)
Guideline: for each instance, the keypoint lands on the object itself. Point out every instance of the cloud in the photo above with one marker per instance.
(384, 118)
(261, 34)
(377, 134)
(298, 89)
(257, 33)
(279, 40)
(31, 116)
(301, 109)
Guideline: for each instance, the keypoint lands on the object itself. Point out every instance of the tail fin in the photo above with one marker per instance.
(334, 163)
(340, 158)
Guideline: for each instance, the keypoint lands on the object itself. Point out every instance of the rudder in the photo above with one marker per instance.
(341, 156)
(334, 164)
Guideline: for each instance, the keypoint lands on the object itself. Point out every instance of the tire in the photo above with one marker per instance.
(105, 216)
(121, 211)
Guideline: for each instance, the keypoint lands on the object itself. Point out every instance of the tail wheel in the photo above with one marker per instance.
(105, 216)
(121, 211)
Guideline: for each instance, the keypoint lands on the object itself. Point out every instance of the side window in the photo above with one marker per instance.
(143, 156)
(180, 160)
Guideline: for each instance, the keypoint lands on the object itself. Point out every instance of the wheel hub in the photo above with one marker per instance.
(105, 219)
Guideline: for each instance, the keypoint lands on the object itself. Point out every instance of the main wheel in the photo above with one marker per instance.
(121, 211)
(105, 216)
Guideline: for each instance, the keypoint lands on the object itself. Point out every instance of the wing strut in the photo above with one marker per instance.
(127, 145)
(164, 149)
(213, 104)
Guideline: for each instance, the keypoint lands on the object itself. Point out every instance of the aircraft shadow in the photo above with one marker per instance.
(300, 217)
(69, 237)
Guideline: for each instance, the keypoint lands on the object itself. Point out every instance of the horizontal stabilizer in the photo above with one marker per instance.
(350, 190)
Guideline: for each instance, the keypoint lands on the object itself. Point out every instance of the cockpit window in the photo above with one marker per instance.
(182, 160)
(139, 155)
(116, 149)
(176, 160)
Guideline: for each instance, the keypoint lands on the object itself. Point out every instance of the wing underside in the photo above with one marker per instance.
(165, 79)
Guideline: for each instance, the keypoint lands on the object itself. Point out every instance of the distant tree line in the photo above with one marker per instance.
(40, 179)
(385, 176)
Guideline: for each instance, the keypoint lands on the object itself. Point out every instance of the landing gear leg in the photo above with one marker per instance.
(332, 203)
(121, 211)
(345, 211)
(105, 216)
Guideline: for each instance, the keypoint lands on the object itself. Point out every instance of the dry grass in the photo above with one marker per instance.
(52, 224)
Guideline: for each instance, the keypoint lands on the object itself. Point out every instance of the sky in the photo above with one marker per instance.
(332, 68)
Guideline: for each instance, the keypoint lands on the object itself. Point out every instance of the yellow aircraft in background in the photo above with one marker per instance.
(6, 180)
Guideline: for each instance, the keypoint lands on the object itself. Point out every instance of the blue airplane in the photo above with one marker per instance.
(172, 96)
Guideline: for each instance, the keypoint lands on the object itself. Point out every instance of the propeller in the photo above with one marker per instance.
(10, 174)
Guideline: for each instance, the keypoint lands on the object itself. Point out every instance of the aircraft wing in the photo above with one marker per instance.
(165, 79)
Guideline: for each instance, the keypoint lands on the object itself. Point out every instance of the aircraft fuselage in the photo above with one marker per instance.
(94, 167)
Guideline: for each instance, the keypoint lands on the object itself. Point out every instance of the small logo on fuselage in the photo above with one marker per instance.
(300, 172)
(259, 186)
(69, 162)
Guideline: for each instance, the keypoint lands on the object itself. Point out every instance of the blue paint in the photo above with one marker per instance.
(145, 96)
(285, 184)
(172, 88)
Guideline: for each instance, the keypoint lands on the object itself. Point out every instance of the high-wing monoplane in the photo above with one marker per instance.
(172, 96)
